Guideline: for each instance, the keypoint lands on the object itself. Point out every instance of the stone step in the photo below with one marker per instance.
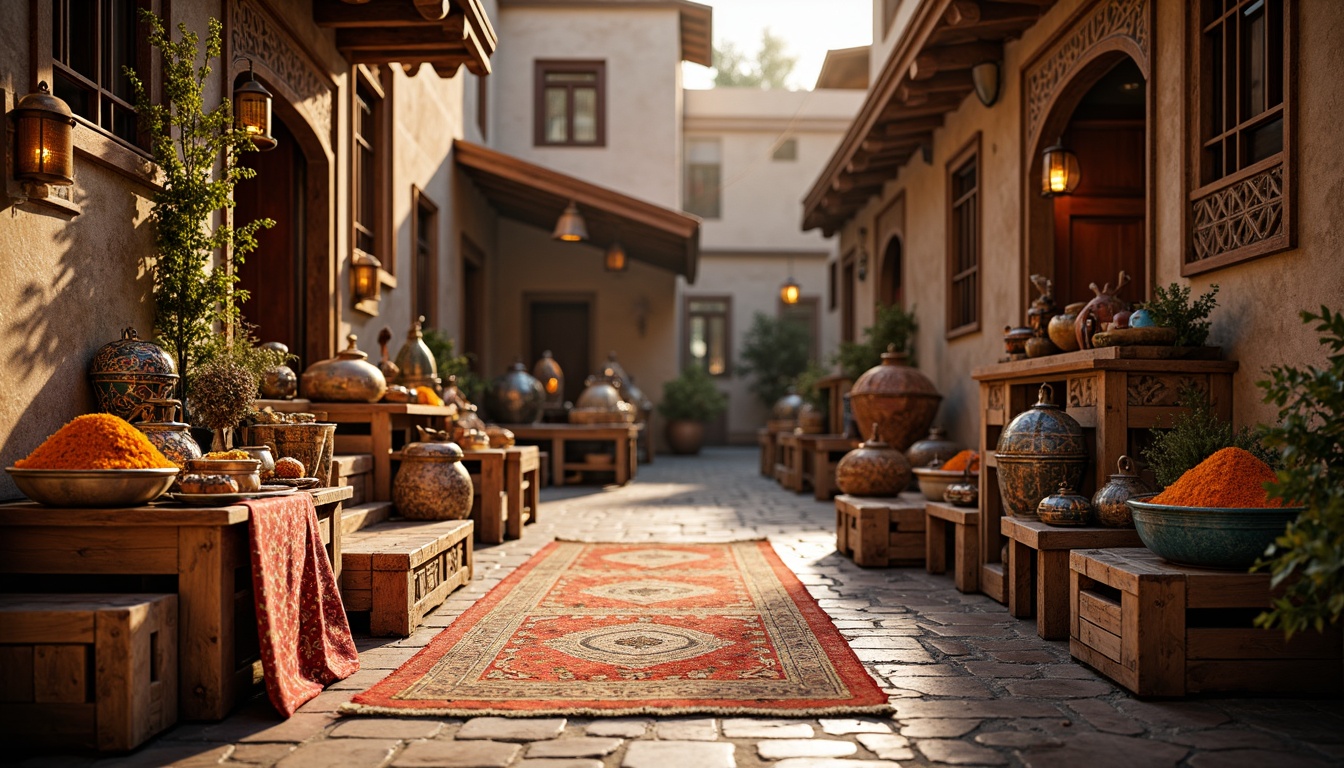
(399, 571)
(356, 471)
(355, 518)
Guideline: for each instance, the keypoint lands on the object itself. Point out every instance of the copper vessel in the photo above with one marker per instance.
(1060, 328)
(600, 403)
(900, 400)
(1109, 500)
(786, 407)
(873, 469)
(347, 377)
(935, 446)
(515, 397)
(432, 484)
(415, 363)
(1040, 448)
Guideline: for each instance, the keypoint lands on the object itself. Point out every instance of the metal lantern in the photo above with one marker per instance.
(44, 142)
(570, 227)
(252, 111)
(788, 292)
(1059, 171)
(364, 270)
(552, 379)
(615, 261)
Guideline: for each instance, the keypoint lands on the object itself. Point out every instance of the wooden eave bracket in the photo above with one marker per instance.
(443, 33)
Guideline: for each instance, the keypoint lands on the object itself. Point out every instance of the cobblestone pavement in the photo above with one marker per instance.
(971, 685)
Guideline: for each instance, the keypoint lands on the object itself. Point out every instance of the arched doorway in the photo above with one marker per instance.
(890, 291)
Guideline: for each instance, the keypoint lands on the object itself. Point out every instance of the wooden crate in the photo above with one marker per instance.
(821, 454)
(880, 532)
(766, 439)
(962, 547)
(789, 461)
(1165, 630)
(86, 670)
(401, 570)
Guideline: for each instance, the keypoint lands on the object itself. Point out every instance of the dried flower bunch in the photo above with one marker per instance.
(221, 394)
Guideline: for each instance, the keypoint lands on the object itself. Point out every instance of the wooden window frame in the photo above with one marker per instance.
(483, 106)
(1248, 192)
(541, 67)
(686, 359)
(970, 153)
(832, 285)
(814, 333)
(686, 206)
(379, 83)
(422, 207)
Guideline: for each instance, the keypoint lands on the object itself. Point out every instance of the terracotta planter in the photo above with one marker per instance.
(900, 400)
(685, 438)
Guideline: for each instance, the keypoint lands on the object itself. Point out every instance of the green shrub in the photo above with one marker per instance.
(1171, 308)
(449, 363)
(1196, 435)
(774, 352)
(806, 386)
(892, 325)
(692, 396)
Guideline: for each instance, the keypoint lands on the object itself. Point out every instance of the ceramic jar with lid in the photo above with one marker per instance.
(872, 469)
(347, 377)
(1064, 508)
(172, 437)
(1040, 448)
(280, 382)
(128, 373)
(415, 363)
(900, 400)
(515, 397)
(1109, 500)
(432, 484)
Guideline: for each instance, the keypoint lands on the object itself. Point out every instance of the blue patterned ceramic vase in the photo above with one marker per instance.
(128, 374)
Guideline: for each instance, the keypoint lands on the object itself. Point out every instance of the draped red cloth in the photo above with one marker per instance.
(301, 624)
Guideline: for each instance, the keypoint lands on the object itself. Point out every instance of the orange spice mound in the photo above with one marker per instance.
(1231, 477)
(958, 463)
(96, 441)
(427, 396)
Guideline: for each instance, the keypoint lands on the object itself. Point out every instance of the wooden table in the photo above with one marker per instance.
(489, 506)
(1041, 550)
(522, 477)
(965, 551)
(204, 548)
(1116, 394)
(391, 427)
(622, 437)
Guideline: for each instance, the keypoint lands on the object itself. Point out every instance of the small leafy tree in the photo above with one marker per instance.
(774, 352)
(692, 396)
(197, 152)
(1171, 308)
(892, 325)
(1308, 559)
(770, 69)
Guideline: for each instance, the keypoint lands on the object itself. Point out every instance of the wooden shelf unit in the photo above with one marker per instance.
(1115, 393)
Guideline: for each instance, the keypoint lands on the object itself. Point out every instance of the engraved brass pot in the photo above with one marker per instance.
(900, 400)
(873, 469)
(515, 397)
(1065, 508)
(432, 484)
(129, 373)
(1109, 500)
(347, 377)
(1040, 448)
(172, 437)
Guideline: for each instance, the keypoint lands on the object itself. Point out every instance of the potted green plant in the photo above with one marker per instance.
(689, 401)
(1195, 435)
(774, 352)
(891, 325)
(812, 416)
(1172, 308)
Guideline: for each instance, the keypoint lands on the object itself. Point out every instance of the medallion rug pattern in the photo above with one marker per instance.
(619, 629)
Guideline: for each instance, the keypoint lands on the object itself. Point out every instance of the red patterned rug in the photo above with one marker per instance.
(626, 629)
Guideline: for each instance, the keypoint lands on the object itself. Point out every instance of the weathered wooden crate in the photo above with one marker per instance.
(1166, 630)
(880, 531)
(86, 670)
(962, 547)
(401, 570)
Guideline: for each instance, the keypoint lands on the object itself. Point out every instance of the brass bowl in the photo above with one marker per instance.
(109, 488)
(245, 472)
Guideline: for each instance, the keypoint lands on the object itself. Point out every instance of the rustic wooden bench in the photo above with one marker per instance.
(401, 570)
(880, 531)
(962, 547)
(96, 671)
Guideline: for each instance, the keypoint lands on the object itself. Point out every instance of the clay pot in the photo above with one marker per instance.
(129, 373)
(347, 377)
(432, 484)
(872, 469)
(515, 397)
(965, 492)
(1099, 311)
(1065, 508)
(1061, 330)
(1015, 339)
(1109, 500)
(685, 438)
(900, 400)
(280, 382)
(1040, 346)
(1040, 448)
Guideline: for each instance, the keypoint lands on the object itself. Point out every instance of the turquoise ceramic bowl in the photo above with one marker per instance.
(1209, 537)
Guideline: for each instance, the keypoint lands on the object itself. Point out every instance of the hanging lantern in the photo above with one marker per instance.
(570, 227)
(364, 270)
(1059, 171)
(252, 110)
(788, 292)
(552, 379)
(615, 261)
(44, 139)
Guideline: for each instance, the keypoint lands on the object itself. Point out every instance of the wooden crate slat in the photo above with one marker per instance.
(59, 674)
(1100, 610)
(1108, 643)
(1259, 644)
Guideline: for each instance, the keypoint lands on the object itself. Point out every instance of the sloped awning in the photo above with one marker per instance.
(696, 20)
(536, 195)
(926, 76)
(445, 34)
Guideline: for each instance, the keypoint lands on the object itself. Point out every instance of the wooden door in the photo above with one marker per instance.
(563, 326)
(473, 301)
(274, 274)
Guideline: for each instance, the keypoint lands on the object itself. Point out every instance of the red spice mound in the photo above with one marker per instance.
(1231, 477)
(958, 463)
(96, 441)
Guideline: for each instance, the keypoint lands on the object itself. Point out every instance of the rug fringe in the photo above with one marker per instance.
(351, 708)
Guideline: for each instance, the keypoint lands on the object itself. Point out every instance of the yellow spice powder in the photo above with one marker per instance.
(96, 441)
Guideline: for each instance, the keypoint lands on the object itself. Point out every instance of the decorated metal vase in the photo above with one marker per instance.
(347, 377)
(600, 403)
(900, 400)
(172, 437)
(1065, 508)
(1040, 448)
(280, 382)
(515, 397)
(1109, 500)
(129, 373)
(786, 407)
(415, 363)
(872, 469)
(432, 484)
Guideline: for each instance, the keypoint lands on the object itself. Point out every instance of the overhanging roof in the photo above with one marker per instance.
(442, 33)
(845, 68)
(536, 195)
(927, 75)
(697, 20)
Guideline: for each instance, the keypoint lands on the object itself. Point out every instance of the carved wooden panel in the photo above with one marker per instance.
(996, 397)
(1106, 21)
(1239, 215)
(254, 32)
(438, 569)
(1150, 389)
(1082, 392)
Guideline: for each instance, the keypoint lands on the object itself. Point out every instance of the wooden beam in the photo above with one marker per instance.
(852, 181)
(936, 105)
(931, 61)
(374, 13)
(912, 126)
(433, 10)
(446, 52)
(969, 13)
(429, 37)
(879, 146)
(954, 82)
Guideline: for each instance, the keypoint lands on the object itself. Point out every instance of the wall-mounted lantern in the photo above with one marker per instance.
(985, 78)
(1059, 171)
(570, 227)
(615, 260)
(252, 110)
(364, 277)
(43, 140)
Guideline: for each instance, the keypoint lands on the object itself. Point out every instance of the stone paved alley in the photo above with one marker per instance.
(971, 685)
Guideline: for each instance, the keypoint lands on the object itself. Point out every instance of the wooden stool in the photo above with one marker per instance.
(789, 461)
(965, 552)
(402, 570)
(880, 532)
(1040, 553)
(1168, 630)
(50, 644)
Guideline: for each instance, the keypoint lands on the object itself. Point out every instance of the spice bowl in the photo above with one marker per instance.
(1209, 537)
(245, 472)
(933, 483)
(108, 488)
